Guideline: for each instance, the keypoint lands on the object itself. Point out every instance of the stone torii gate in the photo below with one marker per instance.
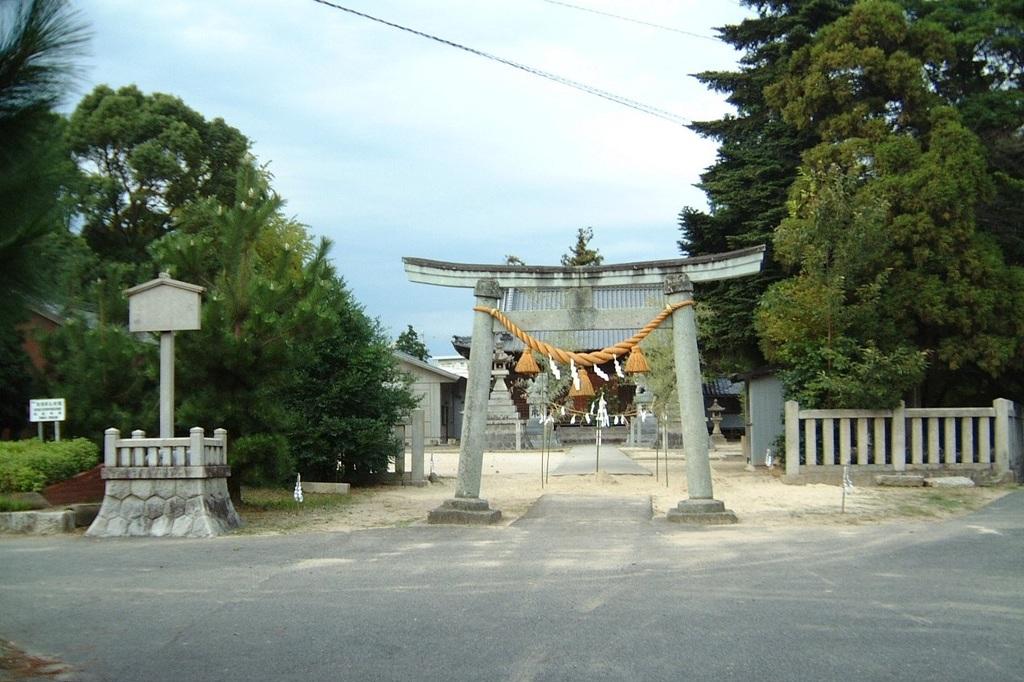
(571, 294)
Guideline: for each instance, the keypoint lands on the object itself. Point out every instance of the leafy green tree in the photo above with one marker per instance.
(283, 349)
(981, 76)
(410, 343)
(15, 382)
(757, 162)
(824, 324)
(580, 254)
(346, 396)
(107, 376)
(661, 380)
(145, 157)
(941, 283)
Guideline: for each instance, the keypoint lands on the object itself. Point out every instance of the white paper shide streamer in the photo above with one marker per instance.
(298, 487)
(557, 373)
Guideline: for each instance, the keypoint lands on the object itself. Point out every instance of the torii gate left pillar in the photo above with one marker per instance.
(466, 506)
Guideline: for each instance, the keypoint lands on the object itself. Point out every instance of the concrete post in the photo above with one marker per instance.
(196, 447)
(1002, 434)
(110, 437)
(701, 507)
(138, 456)
(793, 438)
(400, 455)
(167, 384)
(899, 437)
(467, 507)
(56, 431)
(222, 436)
(417, 445)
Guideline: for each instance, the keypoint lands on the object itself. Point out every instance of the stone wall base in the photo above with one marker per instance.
(168, 507)
(37, 522)
(464, 511)
(706, 512)
(500, 436)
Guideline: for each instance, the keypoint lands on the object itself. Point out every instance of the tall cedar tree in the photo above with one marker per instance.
(861, 87)
(758, 157)
(981, 76)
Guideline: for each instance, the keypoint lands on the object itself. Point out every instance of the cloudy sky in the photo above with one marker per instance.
(394, 145)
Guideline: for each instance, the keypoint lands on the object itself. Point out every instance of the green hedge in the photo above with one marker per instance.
(29, 465)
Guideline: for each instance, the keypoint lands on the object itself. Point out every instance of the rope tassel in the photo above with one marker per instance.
(583, 386)
(527, 364)
(637, 362)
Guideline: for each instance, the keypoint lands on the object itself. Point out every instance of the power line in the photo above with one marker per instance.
(632, 20)
(625, 101)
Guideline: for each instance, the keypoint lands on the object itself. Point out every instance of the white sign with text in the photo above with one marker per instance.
(46, 410)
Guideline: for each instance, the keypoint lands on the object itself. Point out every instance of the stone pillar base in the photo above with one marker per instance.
(464, 511)
(705, 512)
(154, 502)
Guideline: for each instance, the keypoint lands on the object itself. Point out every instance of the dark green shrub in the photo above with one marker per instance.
(29, 465)
(261, 459)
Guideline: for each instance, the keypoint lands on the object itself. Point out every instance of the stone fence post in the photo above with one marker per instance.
(1002, 407)
(792, 438)
(899, 437)
(222, 436)
(416, 444)
(196, 447)
(110, 438)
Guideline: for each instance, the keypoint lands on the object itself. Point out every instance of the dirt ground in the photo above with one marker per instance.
(512, 481)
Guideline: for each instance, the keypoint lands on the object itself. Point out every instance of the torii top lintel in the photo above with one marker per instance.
(716, 266)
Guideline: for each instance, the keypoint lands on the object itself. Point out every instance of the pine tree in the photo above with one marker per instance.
(410, 343)
(39, 39)
(580, 254)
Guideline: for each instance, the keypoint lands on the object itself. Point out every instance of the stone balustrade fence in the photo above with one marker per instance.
(965, 438)
(140, 451)
(160, 487)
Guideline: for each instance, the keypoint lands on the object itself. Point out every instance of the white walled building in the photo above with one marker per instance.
(441, 395)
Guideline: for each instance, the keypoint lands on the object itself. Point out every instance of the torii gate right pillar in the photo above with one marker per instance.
(700, 507)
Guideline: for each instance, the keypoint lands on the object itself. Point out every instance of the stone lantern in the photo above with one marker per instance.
(716, 410)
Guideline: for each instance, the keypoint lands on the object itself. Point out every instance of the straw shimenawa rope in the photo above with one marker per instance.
(583, 359)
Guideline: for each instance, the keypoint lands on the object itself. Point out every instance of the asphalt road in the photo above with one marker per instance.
(578, 589)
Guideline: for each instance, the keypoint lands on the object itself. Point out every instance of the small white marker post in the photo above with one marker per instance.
(847, 487)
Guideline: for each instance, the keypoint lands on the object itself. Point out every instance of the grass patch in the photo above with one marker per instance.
(942, 503)
(268, 510)
(9, 505)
